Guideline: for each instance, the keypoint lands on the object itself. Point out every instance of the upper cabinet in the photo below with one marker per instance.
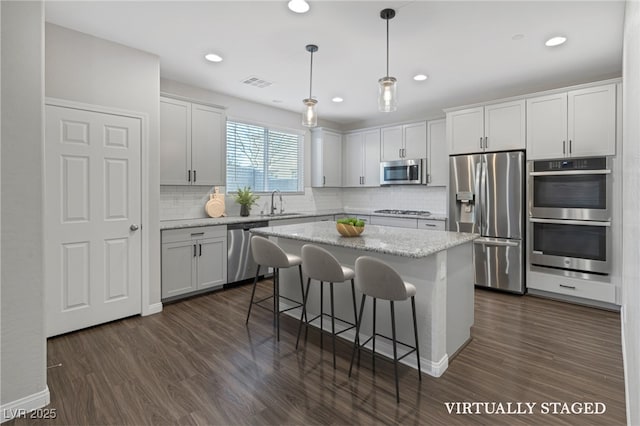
(326, 158)
(495, 127)
(437, 158)
(577, 123)
(192, 143)
(361, 159)
(406, 141)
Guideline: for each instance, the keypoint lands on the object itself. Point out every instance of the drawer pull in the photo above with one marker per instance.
(195, 234)
(430, 224)
(571, 287)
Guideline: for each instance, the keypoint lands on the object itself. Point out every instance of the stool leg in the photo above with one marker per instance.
(321, 311)
(356, 344)
(373, 348)
(276, 296)
(304, 312)
(333, 327)
(415, 332)
(253, 293)
(355, 309)
(302, 289)
(395, 351)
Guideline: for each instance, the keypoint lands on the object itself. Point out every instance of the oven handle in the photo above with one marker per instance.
(572, 173)
(570, 222)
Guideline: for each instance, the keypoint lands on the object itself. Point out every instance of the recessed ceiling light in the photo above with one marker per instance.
(337, 99)
(298, 6)
(555, 41)
(420, 77)
(212, 57)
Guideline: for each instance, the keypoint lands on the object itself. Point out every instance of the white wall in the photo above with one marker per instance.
(408, 197)
(631, 209)
(86, 69)
(22, 334)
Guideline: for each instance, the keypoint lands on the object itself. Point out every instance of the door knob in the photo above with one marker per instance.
(133, 227)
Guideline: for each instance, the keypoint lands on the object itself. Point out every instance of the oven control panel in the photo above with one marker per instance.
(597, 163)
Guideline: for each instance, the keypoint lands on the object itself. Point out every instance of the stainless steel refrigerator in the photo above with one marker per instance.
(486, 196)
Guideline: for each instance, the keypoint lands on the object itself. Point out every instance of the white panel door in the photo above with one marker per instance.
(92, 208)
(438, 159)
(592, 121)
(465, 131)
(391, 143)
(332, 159)
(504, 126)
(212, 263)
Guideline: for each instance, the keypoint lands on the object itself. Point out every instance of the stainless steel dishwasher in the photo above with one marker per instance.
(240, 264)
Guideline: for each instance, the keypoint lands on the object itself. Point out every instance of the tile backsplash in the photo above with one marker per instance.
(187, 202)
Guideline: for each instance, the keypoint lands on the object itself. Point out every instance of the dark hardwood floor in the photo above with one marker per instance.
(197, 363)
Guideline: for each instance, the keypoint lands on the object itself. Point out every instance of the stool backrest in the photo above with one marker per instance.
(377, 279)
(319, 264)
(267, 253)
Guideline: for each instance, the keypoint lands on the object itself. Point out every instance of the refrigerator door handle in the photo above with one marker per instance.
(495, 242)
(481, 204)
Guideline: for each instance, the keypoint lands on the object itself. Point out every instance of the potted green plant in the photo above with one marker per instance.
(246, 199)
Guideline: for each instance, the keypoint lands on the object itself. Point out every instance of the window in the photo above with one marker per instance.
(262, 158)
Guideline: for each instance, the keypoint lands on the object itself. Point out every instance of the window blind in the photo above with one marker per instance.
(262, 158)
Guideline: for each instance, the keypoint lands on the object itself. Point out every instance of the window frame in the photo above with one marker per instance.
(270, 128)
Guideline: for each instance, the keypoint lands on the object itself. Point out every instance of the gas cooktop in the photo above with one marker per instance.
(405, 212)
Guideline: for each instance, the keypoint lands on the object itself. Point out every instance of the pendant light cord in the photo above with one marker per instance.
(387, 19)
(311, 75)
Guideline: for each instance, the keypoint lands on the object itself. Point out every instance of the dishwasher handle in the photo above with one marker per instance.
(247, 225)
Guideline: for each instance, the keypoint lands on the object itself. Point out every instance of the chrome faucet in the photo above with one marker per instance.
(273, 207)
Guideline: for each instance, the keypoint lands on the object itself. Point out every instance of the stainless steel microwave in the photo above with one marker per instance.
(404, 172)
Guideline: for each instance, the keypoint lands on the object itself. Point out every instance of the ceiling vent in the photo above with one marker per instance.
(258, 82)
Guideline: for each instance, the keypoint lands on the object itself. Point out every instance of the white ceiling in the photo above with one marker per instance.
(466, 48)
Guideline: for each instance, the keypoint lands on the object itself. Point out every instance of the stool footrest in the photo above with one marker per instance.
(270, 308)
(412, 348)
(351, 325)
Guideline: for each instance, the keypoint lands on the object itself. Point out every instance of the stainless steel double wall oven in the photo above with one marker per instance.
(570, 216)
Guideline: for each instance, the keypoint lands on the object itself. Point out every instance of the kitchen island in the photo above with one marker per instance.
(438, 263)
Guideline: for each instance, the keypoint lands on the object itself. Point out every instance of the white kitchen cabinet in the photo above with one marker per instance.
(326, 158)
(437, 158)
(361, 159)
(406, 141)
(431, 224)
(574, 287)
(494, 127)
(578, 123)
(192, 143)
(398, 222)
(193, 259)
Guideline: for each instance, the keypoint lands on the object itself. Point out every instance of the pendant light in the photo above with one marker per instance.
(309, 115)
(387, 90)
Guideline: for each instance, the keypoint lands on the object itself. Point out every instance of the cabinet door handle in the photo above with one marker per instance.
(428, 178)
(480, 142)
(194, 176)
(571, 287)
(570, 148)
(324, 180)
(486, 142)
(200, 246)
(431, 225)
(400, 152)
(189, 177)
(195, 250)
(564, 147)
(363, 180)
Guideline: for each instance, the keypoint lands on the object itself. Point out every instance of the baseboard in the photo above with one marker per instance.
(155, 308)
(22, 406)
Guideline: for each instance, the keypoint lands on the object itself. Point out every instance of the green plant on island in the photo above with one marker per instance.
(351, 221)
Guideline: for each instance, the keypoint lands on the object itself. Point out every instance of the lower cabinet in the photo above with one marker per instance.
(193, 259)
(432, 224)
(585, 289)
(398, 222)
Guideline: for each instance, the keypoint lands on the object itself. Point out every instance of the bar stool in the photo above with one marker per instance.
(378, 280)
(268, 254)
(320, 265)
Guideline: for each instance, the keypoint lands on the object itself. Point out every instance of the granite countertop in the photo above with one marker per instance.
(414, 243)
(227, 220)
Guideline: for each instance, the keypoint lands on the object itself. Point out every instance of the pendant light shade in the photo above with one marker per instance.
(309, 114)
(387, 86)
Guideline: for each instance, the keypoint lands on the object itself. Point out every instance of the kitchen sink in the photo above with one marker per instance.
(282, 214)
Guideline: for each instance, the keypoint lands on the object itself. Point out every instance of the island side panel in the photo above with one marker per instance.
(460, 297)
(428, 274)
